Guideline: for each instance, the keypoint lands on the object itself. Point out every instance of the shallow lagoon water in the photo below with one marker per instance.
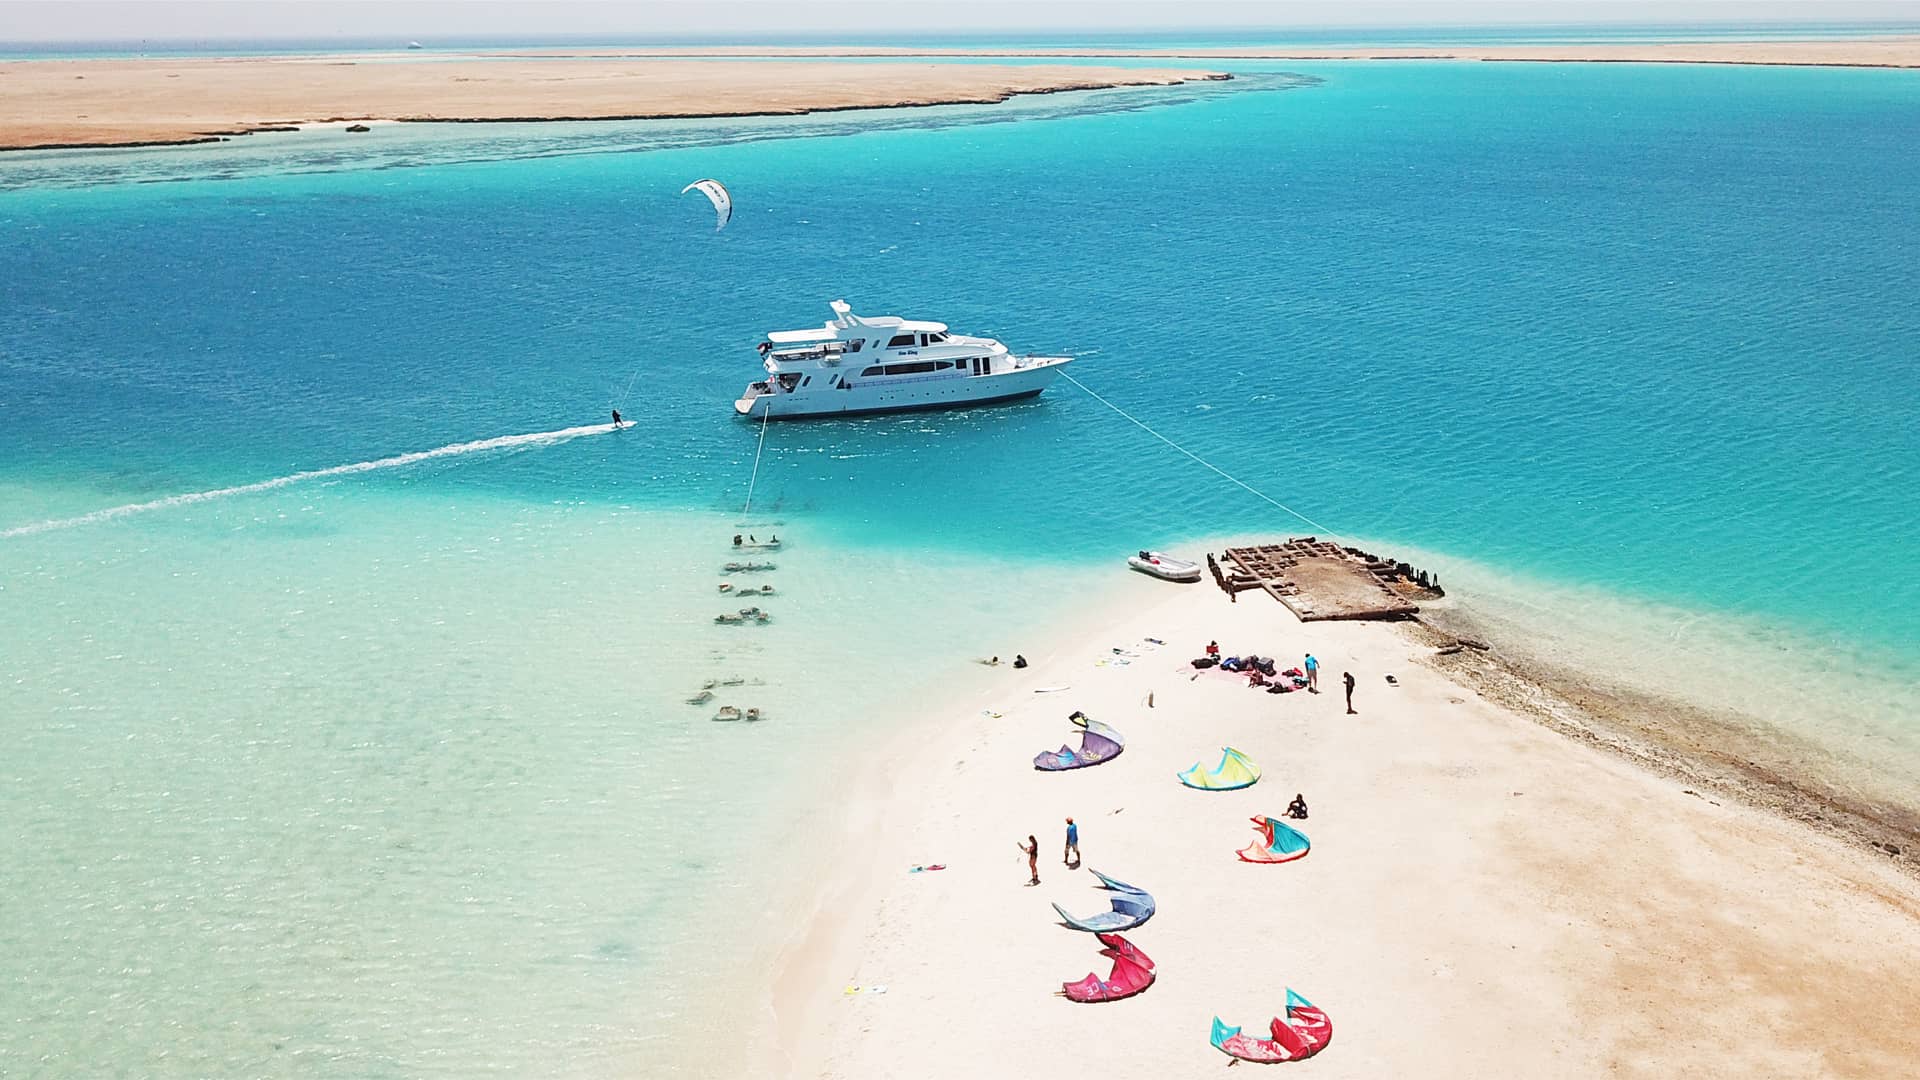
(390, 774)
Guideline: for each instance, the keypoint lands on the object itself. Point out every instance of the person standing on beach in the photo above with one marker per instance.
(1032, 850)
(1348, 676)
(1313, 674)
(1071, 856)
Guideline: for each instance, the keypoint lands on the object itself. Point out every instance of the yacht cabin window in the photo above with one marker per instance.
(901, 341)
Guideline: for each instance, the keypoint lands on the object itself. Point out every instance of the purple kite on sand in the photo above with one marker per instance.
(1098, 744)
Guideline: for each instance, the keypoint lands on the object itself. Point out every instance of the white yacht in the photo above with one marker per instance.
(886, 364)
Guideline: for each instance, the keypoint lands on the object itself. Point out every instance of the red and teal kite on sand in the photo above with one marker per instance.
(1279, 842)
(1302, 1033)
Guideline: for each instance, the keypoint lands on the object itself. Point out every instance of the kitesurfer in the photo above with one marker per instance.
(616, 418)
(1031, 849)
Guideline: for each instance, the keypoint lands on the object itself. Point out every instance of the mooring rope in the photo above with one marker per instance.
(1256, 492)
(765, 415)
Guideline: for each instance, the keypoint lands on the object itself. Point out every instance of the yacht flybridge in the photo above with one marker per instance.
(886, 364)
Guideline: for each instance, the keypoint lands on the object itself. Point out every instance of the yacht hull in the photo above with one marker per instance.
(923, 396)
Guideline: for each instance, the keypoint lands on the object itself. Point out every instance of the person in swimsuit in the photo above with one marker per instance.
(1032, 850)
(616, 418)
(1071, 856)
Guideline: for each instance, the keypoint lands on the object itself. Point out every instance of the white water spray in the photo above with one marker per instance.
(502, 442)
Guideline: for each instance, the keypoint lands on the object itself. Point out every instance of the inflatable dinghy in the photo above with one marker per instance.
(1163, 566)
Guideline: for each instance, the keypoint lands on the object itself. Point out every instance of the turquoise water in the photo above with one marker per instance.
(388, 772)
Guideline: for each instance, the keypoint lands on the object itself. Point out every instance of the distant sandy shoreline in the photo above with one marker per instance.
(1901, 51)
(68, 104)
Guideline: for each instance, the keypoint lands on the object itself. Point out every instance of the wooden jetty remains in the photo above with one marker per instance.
(1318, 579)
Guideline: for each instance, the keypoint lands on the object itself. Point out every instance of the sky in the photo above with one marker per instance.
(162, 20)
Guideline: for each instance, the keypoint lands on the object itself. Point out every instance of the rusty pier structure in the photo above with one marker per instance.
(1318, 579)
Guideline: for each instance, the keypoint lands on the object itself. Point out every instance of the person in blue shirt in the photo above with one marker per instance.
(1071, 856)
(1313, 674)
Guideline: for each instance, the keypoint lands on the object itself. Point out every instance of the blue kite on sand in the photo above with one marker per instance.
(1131, 907)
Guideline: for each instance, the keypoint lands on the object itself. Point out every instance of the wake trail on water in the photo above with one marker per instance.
(500, 442)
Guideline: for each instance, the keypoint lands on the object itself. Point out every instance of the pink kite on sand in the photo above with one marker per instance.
(1278, 843)
(1303, 1032)
(1132, 973)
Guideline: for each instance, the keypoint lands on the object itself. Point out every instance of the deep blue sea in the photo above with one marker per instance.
(1615, 343)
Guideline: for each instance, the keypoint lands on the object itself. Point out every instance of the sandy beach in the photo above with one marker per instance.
(1484, 896)
(70, 103)
(79, 103)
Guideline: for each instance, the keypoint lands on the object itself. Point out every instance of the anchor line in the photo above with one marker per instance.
(765, 415)
(1254, 491)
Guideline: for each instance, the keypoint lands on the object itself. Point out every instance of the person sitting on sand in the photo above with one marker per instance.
(1297, 809)
(1031, 849)
(1255, 678)
(1019, 661)
(991, 661)
(736, 539)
